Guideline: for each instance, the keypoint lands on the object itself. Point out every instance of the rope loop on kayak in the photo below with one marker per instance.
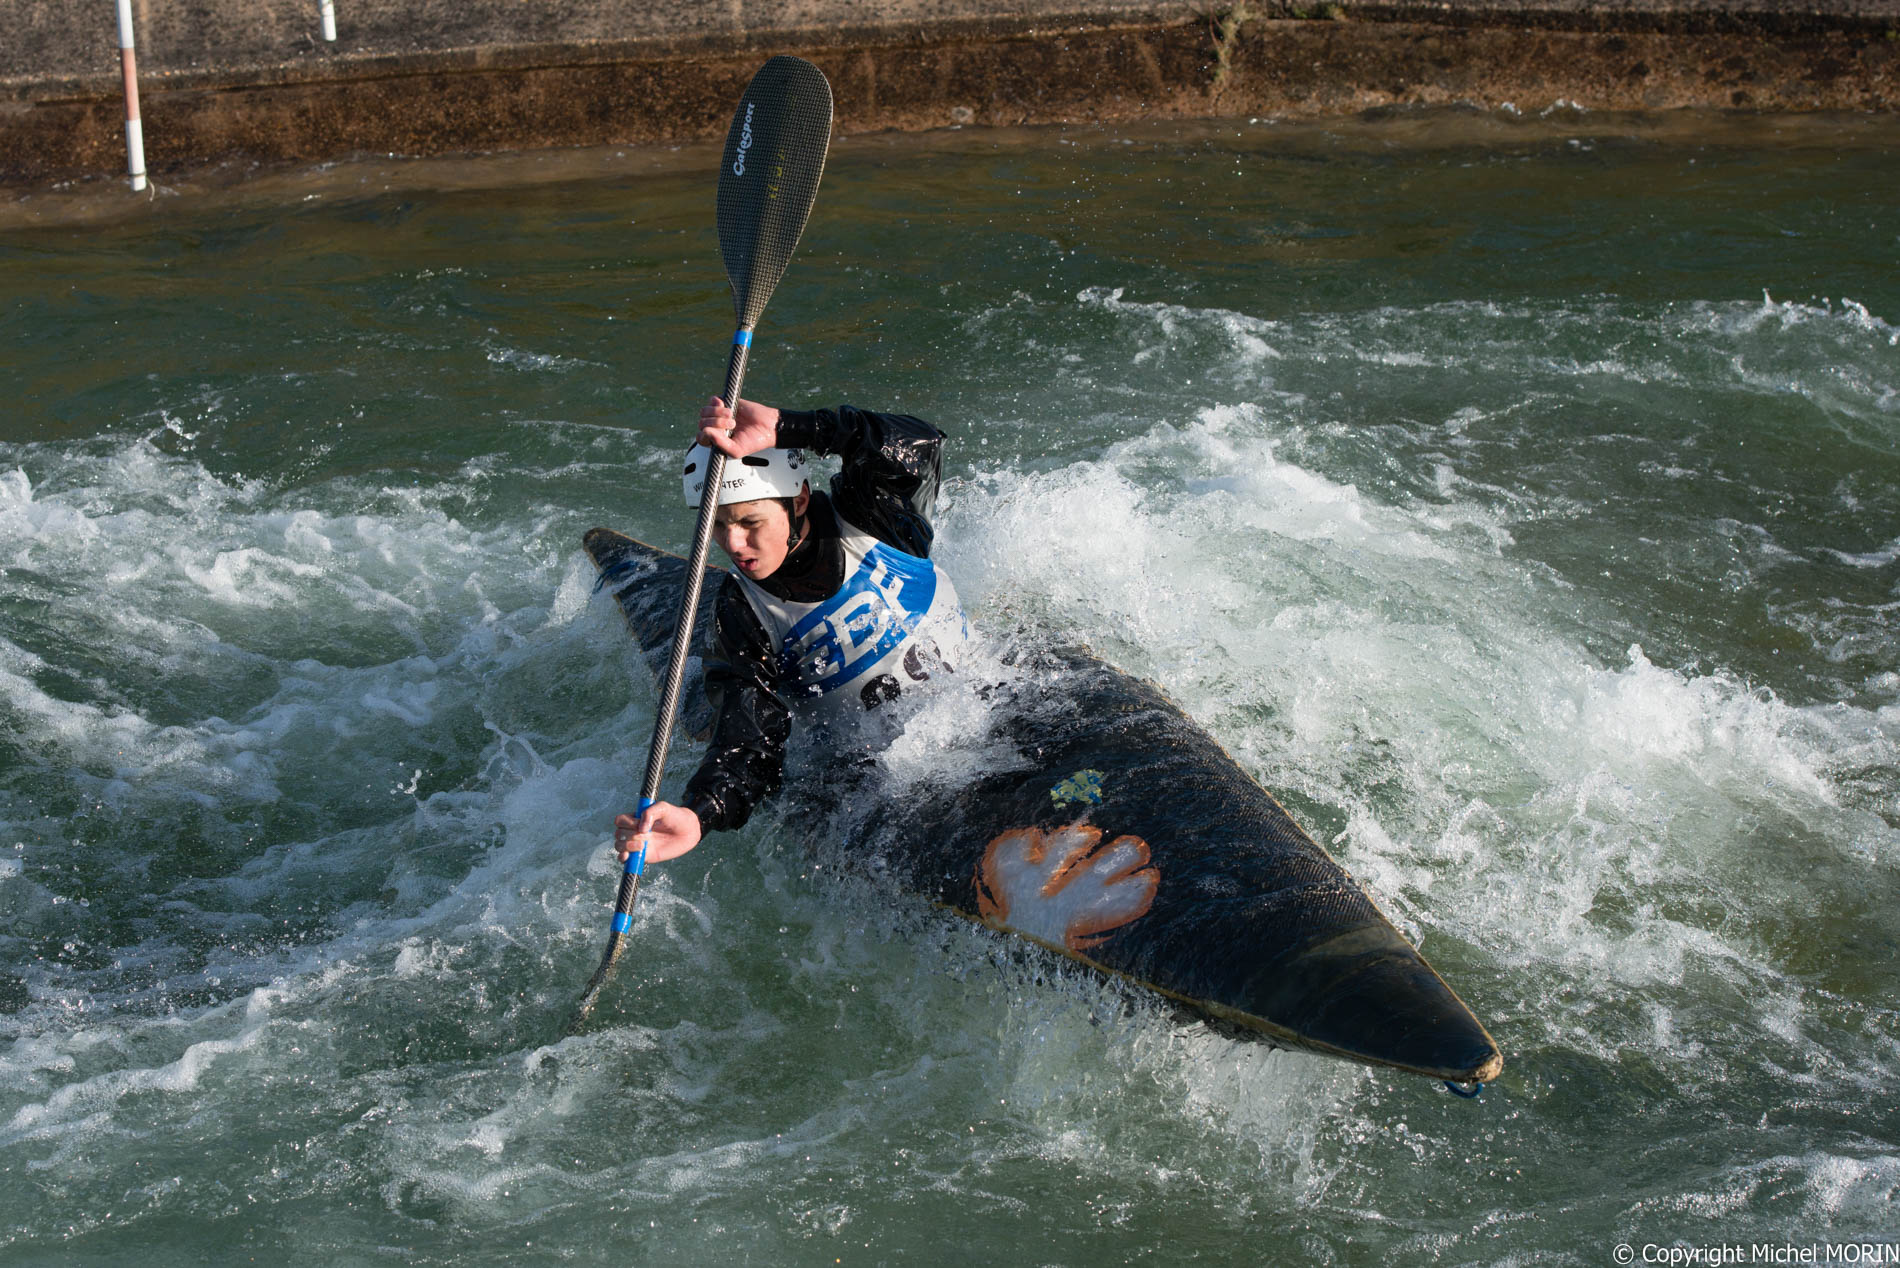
(1458, 1089)
(614, 572)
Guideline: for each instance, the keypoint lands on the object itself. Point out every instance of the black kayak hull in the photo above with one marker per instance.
(1133, 843)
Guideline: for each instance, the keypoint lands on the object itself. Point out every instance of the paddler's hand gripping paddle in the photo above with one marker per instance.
(775, 154)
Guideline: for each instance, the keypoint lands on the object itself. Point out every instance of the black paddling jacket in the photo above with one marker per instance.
(888, 488)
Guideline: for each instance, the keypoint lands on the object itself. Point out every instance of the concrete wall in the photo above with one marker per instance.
(77, 38)
(251, 79)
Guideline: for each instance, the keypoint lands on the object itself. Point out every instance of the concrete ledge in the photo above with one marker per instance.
(509, 74)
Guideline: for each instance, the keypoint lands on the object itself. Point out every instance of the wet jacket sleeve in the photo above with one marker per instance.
(893, 464)
(745, 758)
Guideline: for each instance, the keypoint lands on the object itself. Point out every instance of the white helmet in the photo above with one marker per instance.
(769, 473)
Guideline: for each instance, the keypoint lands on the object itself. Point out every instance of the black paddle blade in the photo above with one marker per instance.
(775, 154)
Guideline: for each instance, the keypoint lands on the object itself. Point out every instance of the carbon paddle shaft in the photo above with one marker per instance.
(768, 180)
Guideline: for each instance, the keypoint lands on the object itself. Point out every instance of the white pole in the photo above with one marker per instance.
(329, 20)
(134, 130)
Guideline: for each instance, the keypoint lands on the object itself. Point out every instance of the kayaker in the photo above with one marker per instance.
(833, 605)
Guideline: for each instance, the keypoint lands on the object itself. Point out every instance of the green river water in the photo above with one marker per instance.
(1517, 498)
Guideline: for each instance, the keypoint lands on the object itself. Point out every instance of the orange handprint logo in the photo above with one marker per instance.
(1064, 887)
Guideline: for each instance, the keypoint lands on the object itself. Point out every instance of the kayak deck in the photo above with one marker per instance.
(1134, 844)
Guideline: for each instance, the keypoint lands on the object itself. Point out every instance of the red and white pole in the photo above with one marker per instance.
(329, 20)
(134, 131)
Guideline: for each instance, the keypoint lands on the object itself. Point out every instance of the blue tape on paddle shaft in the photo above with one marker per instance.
(742, 337)
(637, 861)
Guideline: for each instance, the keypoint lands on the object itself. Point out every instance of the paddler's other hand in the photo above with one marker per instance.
(752, 427)
(670, 831)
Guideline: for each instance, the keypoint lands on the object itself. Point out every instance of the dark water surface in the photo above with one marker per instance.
(1519, 499)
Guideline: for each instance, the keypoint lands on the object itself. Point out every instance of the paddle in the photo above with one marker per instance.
(768, 179)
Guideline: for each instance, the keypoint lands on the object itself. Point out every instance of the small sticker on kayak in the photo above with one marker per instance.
(1065, 887)
(1083, 786)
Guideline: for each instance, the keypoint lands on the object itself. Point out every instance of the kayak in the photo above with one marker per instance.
(1129, 841)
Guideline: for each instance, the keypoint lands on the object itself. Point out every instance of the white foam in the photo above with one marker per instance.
(211, 757)
(1167, 329)
(1642, 714)
(1877, 558)
(24, 521)
(577, 585)
(1354, 641)
(85, 1100)
(407, 702)
(1863, 1190)
(1372, 645)
(246, 577)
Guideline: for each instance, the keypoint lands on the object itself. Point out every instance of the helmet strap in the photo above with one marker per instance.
(800, 523)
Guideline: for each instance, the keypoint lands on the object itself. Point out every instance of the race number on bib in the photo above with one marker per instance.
(881, 602)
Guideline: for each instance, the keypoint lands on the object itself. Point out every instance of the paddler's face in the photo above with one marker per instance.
(757, 536)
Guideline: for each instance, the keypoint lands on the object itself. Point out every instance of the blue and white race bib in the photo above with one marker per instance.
(889, 625)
